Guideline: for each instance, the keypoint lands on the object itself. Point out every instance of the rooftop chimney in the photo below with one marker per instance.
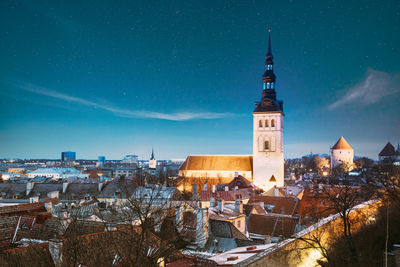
(100, 186)
(29, 187)
(194, 191)
(220, 205)
(201, 227)
(65, 186)
(212, 201)
(276, 192)
(239, 206)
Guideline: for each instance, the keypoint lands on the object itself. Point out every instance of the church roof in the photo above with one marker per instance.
(388, 151)
(268, 104)
(342, 144)
(218, 163)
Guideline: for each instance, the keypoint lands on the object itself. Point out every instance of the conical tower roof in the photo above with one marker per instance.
(388, 151)
(342, 144)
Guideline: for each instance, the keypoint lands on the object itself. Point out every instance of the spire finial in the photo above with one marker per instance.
(269, 41)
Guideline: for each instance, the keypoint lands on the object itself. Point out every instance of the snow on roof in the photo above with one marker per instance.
(55, 171)
(239, 254)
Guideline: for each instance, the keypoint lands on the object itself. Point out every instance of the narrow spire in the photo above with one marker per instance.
(269, 42)
(152, 153)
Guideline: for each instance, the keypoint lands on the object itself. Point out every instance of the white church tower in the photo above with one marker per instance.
(152, 161)
(268, 161)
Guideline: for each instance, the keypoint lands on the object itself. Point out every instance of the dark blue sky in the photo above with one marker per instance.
(122, 77)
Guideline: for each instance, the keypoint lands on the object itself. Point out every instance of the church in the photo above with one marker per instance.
(265, 167)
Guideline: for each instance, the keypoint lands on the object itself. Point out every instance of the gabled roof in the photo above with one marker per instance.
(281, 205)
(218, 163)
(223, 195)
(388, 151)
(342, 144)
(240, 182)
(225, 229)
(253, 208)
(272, 225)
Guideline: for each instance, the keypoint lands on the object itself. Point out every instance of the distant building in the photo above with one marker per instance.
(58, 173)
(130, 159)
(342, 153)
(389, 153)
(101, 161)
(68, 156)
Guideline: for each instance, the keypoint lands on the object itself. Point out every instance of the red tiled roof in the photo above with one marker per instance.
(240, 182)
(282, 205)
(22, 208)
(342, 144)
(272, 225)
(224, 195)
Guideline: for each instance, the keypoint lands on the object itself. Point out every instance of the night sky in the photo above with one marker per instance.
(122, 77)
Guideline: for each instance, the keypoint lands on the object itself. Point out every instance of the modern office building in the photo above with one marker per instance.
(68, 156)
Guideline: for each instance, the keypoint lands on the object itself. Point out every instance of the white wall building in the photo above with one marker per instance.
(342, 153)
(57, 173)
(268, 161)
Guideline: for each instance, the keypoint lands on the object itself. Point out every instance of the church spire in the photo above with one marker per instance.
(152, 154)
(269, 76)
(268, 96)
(269, 42)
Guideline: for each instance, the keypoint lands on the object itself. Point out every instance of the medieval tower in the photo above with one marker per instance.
(268, 161)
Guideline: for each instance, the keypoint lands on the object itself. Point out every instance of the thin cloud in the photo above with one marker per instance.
(374, 87)
(127, 113)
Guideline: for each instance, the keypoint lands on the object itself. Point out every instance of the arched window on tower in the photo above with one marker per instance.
(268, 85)
(272, 85)
(272, 123)
(264, 86)
(266, 145)
(266, 123)
(260, 123)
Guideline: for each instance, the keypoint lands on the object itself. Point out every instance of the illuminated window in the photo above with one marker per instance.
(266, 145)
(268, 85)
(272, 85)
(264, 85)
(266, 123)
(260, 123)
(272, 123)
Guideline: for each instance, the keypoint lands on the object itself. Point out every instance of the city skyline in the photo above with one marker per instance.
(183, 79)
